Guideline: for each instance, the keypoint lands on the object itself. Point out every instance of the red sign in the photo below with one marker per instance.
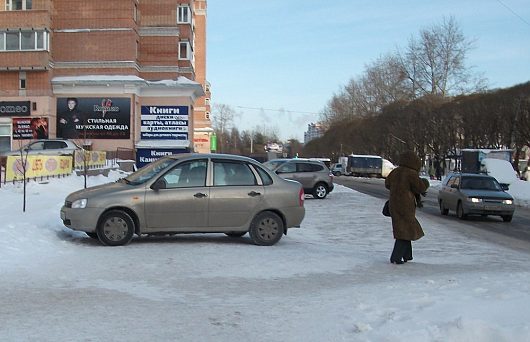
(30, 128)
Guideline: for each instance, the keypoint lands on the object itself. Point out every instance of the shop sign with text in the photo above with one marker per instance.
(164, 123)
(15, 108)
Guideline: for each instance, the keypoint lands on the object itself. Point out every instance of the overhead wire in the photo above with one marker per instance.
(514, 13)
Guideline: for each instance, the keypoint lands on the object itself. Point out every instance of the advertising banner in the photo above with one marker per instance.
(164, 123)
(30, 128)
(201, 142)
(37, 166)
(93, 118)
(93, 159)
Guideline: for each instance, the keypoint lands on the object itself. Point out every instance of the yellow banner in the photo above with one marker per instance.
(37, 166)
(93, 159)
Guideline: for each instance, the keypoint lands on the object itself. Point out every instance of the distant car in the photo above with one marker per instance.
(189, 193)
(315, 177)
(46, 147)
(474, 194)
(338, 169)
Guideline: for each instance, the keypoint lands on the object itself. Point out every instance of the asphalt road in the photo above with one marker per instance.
(489, 227)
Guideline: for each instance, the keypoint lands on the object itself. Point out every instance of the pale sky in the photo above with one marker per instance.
(289, 57)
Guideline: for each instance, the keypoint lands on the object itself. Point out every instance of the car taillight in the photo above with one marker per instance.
(301, 196)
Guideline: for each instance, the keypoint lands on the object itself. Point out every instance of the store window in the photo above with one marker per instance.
(5, 137)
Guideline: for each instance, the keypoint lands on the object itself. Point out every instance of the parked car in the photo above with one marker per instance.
(315, 177)
(46, 147)
(475, 194)
(189, 193)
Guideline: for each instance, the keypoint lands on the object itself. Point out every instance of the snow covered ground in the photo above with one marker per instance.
(330, 280)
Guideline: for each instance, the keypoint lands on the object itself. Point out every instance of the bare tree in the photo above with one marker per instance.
(434, 63)
(222, 121)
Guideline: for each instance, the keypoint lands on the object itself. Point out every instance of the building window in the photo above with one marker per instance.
(207, 101)
(12, 41)
(23, 40)
(22, 80)
(184, 15)
(184, 50)
(207, 115)
(135, 13)
(18, 5)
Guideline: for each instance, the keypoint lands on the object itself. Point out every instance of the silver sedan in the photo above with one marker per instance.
(474, 194)
(189, 193)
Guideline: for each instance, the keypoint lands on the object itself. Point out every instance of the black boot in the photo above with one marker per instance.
(400, 247)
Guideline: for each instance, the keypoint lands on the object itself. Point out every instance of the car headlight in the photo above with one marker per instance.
(507, 201)
(475, 200)
(79, 204)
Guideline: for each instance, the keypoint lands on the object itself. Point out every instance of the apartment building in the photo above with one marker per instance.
(114, 74)
(314, 131)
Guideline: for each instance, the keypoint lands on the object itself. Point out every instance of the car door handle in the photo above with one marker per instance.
(200, 195)
(254, 194)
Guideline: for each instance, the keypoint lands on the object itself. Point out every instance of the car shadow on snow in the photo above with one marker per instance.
(81, 238)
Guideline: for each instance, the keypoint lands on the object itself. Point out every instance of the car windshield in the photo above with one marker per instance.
(274, 164)
(149, 171)
(480, 183)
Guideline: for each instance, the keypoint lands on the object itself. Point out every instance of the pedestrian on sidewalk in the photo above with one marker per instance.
(405, 185)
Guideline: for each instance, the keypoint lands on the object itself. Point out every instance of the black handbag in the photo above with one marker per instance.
(386, 209)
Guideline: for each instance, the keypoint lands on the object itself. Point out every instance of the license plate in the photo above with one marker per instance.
(492, 207)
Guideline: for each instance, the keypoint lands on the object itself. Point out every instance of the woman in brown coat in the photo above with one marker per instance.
(405, 186)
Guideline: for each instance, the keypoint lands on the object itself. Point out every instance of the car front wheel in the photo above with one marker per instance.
(460, 211)
(116, 228)
(266, 229)
(507, 218)
(320, 191)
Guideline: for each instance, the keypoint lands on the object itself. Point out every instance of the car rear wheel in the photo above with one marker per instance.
(443, 210)
(266, 229)
(460, 211)
(320, 191)
(115, 228)
(507, 218)
(235, 234)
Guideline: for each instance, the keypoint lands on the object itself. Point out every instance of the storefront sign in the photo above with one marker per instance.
(30, 128)
(164, 123)
(145, 156)
(15, 108)
(93, 118)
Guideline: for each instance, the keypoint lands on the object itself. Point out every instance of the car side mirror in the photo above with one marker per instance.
(505, 187)
(159, 184)
(454, 186)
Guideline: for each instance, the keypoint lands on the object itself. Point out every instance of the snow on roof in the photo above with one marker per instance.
(180, 81)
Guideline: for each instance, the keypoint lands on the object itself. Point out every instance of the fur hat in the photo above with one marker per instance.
(411, 160)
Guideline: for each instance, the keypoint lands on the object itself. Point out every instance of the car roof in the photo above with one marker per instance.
(469, 174)
(212, 155)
